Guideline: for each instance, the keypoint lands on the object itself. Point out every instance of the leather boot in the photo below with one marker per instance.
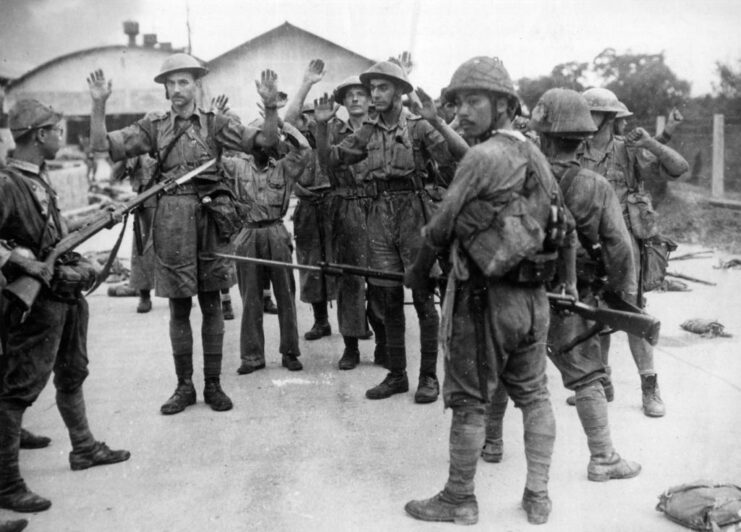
(145, 305)
(184, 396)
(268, 306)
(319, 329)
(537, 506)
(653, 406)
(29, 440)
(99, 454)
(214, 396)
(457, 502)
(428, 389)
(13, 526)
(291, 362)
(604, 468)
(350, 358)
(393, 383)
(14, 495)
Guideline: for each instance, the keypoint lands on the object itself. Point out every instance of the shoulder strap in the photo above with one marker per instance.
(168, 149)
(568, 179)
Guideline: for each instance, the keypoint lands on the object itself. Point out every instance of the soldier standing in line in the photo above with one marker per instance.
(194, 219)
(350, 231)
(604, 263)
(263, 183)
(52, 335)
(627, 163)
(495, 324)
(312, 217)
(397, 145)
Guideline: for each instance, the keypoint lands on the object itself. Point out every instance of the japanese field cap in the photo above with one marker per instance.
(180, 62)
(30, 114)
(563, 113)
(390, 71)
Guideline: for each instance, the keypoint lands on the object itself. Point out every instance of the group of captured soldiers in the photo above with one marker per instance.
(448, 198)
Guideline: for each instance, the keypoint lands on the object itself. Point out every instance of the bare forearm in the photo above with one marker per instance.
(269, 135)
(456, 144)
(674, 164)
(293, 110)
(98, 131)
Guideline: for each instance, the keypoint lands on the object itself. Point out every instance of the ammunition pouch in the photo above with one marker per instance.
(654, 261)
(73, 275)
(642, 220)
(539, 269)
(222, 213)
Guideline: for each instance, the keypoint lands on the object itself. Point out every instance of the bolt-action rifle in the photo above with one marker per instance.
(25, 289)
(622, 316)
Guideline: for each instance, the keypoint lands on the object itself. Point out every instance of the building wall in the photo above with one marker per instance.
(287, 53)
(62, 83)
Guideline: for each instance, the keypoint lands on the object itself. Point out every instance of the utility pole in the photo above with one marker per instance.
(187, 26)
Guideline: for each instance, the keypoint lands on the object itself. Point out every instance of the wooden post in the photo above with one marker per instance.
(717, 186)
(660, 124)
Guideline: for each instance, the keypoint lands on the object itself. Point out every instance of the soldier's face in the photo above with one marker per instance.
(50, 140)
(383, 93)
(475, 112)
(182, 88)
(356, 101)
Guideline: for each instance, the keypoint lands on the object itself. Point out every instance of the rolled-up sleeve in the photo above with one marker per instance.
(130, 141)
(236, 136)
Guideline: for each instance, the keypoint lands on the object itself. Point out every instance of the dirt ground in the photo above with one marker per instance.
(306, 451)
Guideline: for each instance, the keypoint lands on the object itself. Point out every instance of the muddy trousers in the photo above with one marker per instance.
(395, 325)
(495, 410)
(212, 335)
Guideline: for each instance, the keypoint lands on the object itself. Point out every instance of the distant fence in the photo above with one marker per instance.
(712, 147)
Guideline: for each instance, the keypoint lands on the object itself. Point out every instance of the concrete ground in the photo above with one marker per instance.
(306, 451)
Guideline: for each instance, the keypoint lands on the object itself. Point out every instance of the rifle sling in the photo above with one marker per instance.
(103, 275)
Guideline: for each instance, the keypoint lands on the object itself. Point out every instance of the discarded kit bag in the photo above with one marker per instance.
(498, 237)
(702, 505)
(654, 261)
(642, 219)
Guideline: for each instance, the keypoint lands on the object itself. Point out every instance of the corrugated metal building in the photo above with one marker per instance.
(285, 49)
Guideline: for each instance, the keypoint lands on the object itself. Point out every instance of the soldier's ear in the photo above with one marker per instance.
(167, 94)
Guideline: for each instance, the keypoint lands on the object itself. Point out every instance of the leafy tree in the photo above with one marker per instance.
(643, 82)
(567, 75)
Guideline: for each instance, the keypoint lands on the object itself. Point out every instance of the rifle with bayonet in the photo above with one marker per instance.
(25, 289)
(621, 316)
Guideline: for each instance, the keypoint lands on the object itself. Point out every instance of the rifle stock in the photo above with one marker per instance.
(25, 289)
(635, 322)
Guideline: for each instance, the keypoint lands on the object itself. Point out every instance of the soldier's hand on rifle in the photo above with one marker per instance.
(267, 88)
(569, 289)
(220, 104)
(638, 137)
(325, 108)
(314, 72)
(34, 268)
(114, 215)
(425, 106)
(100, 88)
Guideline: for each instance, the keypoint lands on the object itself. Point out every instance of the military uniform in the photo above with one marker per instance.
(396, 160)
(263, 195)
(51, 337)
(626, 169)
(140, 171)
(182, 228)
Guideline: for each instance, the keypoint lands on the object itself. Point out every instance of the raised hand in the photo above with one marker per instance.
(100, 88)
(404, 60)
(267, 88)
(314, 72)
(424, 106)
(325, 108)
(638, 137)
(220, 104)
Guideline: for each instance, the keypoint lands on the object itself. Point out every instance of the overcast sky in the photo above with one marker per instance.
(530, 36)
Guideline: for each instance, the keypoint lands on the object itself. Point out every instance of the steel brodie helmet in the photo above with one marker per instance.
(563, 113)
(390, 71)
(180, 62)
(346, 85)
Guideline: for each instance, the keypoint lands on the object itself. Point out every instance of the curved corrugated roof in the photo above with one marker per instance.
(89, 51)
